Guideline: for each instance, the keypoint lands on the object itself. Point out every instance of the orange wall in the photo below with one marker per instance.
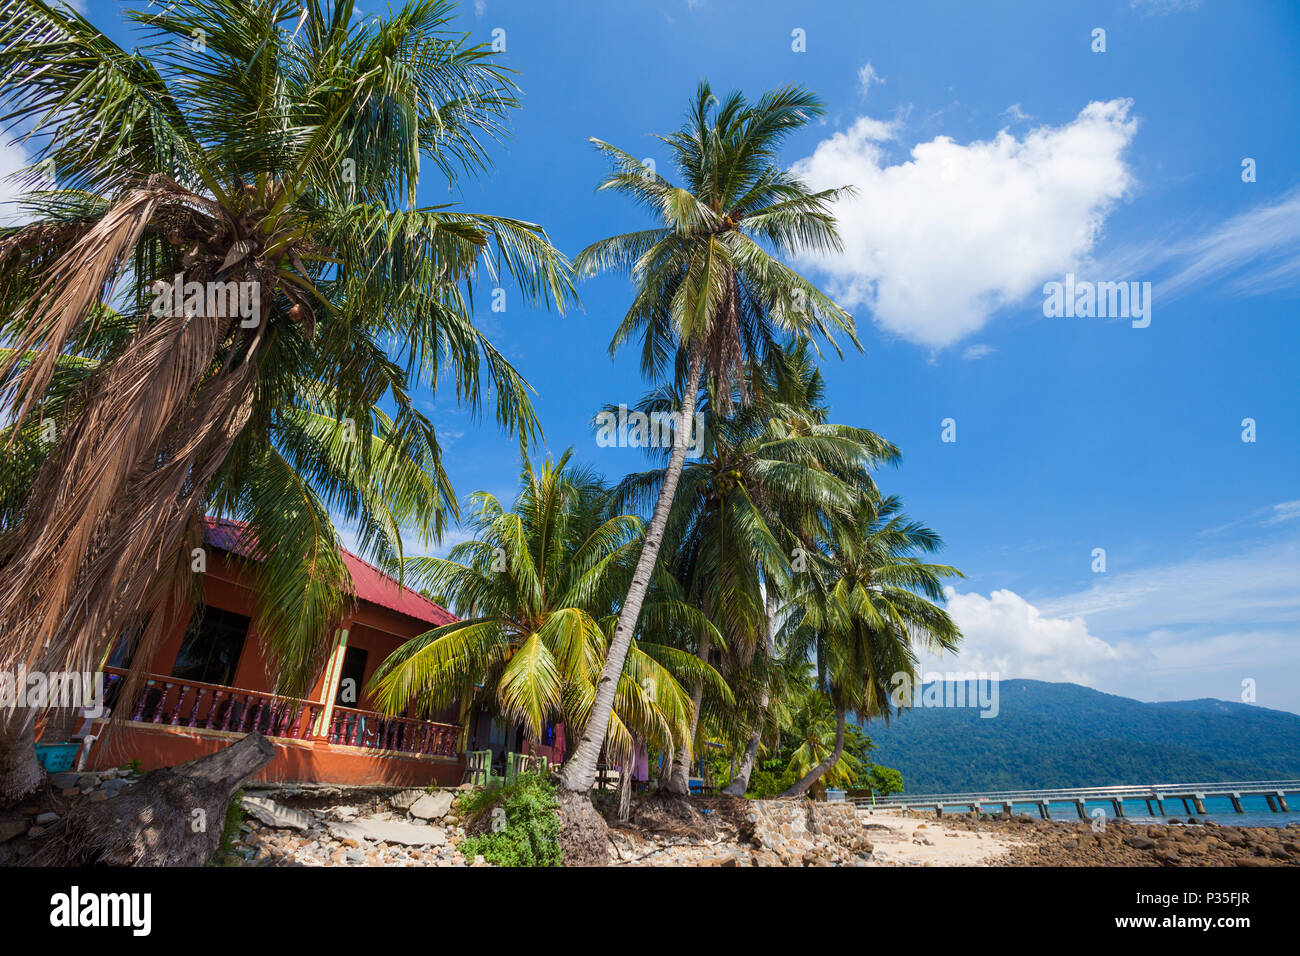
(294, 761)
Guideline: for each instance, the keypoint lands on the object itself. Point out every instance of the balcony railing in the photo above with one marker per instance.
(170, 701)
(365, 728)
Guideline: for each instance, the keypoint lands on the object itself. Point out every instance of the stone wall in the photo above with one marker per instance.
(804, 833)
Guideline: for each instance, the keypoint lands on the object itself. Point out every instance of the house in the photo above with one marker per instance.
(207, 685)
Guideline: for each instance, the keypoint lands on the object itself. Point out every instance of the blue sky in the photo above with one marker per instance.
(994, 151)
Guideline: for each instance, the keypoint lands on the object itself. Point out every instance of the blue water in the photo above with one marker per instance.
(1218, 809)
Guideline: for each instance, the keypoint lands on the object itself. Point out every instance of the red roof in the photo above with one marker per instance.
(368, 582)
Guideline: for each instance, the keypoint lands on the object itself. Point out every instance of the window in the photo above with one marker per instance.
(212, 645)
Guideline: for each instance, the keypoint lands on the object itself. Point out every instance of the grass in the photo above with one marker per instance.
(224, 855)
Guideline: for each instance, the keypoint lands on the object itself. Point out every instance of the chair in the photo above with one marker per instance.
(478, 768)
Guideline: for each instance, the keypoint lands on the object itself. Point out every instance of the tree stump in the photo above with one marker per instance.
(173, 817)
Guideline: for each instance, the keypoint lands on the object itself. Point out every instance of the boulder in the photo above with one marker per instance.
(404, 800)
(273, 814)
(432, 806)
(385, 831)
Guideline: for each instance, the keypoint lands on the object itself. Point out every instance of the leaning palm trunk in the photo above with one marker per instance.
(579, 774)
(679, 783)
(817, 772)
(740, 780)
(20, 772)
(583, 834)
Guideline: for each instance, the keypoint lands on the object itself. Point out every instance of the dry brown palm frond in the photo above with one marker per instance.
(77, 281)
(120, 492)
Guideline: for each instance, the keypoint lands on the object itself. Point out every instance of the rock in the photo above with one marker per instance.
(11, 826)
(86, 780)
(1167, 855)
(35, 831)
(1139, 842)
(117, 785)
(64, 779)
(432, 806)
(402, 801)
(276, 815)
(384, 831)
(44, 818)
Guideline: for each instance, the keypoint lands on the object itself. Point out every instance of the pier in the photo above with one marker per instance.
(1156, 797)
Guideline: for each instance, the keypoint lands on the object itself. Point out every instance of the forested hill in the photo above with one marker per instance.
(1063, 735)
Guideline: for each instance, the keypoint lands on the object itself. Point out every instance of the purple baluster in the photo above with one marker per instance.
(180, 699)
(232, 702)
(139, 706)
(159, 710)
(213, 710)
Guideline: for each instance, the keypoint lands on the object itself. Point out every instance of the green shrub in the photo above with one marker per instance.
(525, 831)
(224, 855)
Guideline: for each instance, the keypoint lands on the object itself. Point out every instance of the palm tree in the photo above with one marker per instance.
(869, 604)
(537, 586)
(711, 294)
(815, 728)
(275, 145)
(768, 475)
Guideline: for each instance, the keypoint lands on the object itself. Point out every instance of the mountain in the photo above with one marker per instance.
(1063, 735)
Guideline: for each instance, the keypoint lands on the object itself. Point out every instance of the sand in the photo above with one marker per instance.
(902, 840)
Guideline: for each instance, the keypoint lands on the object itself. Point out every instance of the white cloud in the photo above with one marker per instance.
(1004, 633)
(1014, 114)
(480, 7)
(1254, 252)
(12, 159)
(1225, 592)
(1164, 6)
(1285, 511)
(1193, 628)
(934, 245)
(866, 77)
(974, 352)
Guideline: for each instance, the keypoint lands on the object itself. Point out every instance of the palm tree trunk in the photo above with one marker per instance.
(816, 773)
(20, 771)
(679, 784)
(740, 780)
(579, 774)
